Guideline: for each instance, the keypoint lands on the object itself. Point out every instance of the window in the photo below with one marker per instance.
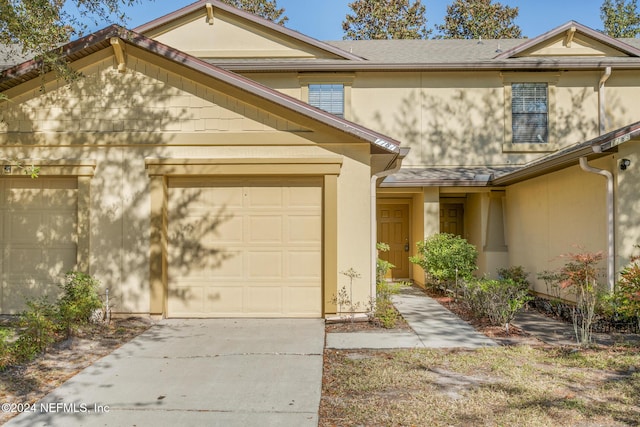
(529, 113)
(530, 122)
(328, 97)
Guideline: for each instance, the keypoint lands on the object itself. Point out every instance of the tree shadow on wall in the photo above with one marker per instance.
(117, 120)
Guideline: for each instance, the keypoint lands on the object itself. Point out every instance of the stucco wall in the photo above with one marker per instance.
(628, 203)
(560, 213)
(118, 120)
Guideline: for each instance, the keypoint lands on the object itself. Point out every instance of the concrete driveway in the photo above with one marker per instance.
(210, 372)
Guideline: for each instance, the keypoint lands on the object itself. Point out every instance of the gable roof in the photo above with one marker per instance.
(201, 6)
(570, 28)
(103, 39)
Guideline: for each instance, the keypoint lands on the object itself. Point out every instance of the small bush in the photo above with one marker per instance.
(498, 300)
(382, 266)
(79, 300)
(446, 258)
(38, 327)
(517, 274)
(580, 277)
(6, 355)
(385, 313)
(626, 298)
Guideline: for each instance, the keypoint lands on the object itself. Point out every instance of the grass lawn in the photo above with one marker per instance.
(499, 386)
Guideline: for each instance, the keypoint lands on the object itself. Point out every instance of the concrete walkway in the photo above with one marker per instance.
(209, 372)
(433, 327)
(558, 333)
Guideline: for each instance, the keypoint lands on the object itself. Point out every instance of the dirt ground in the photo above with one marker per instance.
(30, 382)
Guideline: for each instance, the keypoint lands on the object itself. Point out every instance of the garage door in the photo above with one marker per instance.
(38, 235)
(245, 247)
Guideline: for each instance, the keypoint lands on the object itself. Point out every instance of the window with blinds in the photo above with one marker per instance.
(327, 97)
(529, 113)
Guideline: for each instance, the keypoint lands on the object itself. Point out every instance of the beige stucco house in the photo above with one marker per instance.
(211, 163)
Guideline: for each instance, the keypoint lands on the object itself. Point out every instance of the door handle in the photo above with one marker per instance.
(406, 245)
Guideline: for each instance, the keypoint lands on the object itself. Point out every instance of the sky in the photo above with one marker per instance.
(322, 19)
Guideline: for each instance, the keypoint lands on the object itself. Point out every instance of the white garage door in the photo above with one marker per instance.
(245, 247)
(38, 237)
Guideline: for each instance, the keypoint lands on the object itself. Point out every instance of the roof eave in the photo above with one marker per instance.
(601, 37)
(450, 66)
(166, 19)
(601, 146)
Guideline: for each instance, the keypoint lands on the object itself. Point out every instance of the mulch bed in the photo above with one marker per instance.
(497, 333)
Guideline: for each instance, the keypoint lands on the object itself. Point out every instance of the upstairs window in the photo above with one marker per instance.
(327, 97)
(530, 113)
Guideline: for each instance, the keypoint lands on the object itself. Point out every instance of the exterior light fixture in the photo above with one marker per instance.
(6, 169)
(624, 164)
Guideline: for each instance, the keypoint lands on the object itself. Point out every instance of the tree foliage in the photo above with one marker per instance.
(620, 18)
(37, 27)
(386, 19)
(475, 19)
(267, 9)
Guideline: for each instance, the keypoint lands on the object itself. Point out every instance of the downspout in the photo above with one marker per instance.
(602, 113)
(374, 224)
(610, 218)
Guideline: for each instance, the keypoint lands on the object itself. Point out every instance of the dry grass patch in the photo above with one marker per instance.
(504, 386)
(29, 382)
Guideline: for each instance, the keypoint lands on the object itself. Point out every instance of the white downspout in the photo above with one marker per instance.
(374, 224)
(602, 113)
(610, 219)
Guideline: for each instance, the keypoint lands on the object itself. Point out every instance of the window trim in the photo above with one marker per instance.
(508, 146)
(344, 79)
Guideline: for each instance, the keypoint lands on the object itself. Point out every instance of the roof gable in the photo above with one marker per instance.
(125, 46)
(571, 39)
(215, 30)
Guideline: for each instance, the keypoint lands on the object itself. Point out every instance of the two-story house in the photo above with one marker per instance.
(212, 163)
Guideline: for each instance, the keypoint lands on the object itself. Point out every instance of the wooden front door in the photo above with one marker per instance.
(452, 219)
(393, 229)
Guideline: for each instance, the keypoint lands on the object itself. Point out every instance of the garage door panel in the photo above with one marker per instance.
(304, 197)
(188, 299)
(264, 265)
(223, 299)
(263, 300)
(38, 237)
(304, 299)
(264, 197)
(304, 265)
(265, 228)
(304, 229)
(268, 243)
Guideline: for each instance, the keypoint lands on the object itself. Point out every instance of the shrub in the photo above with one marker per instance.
(516, 273)
(626, 298)
(498, 300)
(580, 277)
(382, 266)
(38, 327)
(6, 355)
(446, 258)
(79, 300)
(385, 313)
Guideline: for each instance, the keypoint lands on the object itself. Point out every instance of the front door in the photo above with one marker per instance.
(452, 219)
(393, 229)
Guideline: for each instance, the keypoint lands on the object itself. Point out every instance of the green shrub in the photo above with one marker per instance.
(382, 266)
(79, 300)
(38, 327)
(385, 313)
(446, 258)
(6, 355)
(516, 273)
(498, 300)
(626, 298)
